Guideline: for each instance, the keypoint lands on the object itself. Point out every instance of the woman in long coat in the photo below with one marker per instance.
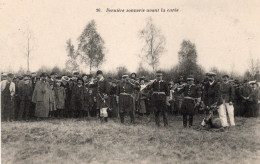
(42, 97)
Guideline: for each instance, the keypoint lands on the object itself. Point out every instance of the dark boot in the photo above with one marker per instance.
(184, 121)
(122, 118)
(190, 120)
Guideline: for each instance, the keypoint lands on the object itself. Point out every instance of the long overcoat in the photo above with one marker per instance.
(42, 96)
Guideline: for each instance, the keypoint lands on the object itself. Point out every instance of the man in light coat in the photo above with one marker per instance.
(42, 97)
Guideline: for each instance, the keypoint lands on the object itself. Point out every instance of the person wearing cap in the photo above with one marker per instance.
(102, 91)
(42, 97)
(60, 96)
(25, 96)
(160, 98)
(245, 93)
(210, 96)
(78, 98)
(126, 101)
(225, 103)
(7, 94)
(191, 95)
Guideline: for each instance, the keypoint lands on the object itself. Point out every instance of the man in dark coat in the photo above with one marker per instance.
(78, 98)
(7, 95)
(211, 91)
(245, 93)
(34, 80)
(191, 94)
(160, 98)
(125, 91)
(25, 96)
(65, 84)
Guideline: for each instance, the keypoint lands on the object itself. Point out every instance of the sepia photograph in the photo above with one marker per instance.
(129, 82)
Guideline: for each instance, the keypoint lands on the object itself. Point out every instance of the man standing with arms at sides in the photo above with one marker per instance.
(226, 99)
(7, 94)
(191, 94)
(25, 95)
(125, 91)
(160, 98)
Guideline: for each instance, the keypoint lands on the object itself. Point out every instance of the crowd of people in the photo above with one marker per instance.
(31, 96)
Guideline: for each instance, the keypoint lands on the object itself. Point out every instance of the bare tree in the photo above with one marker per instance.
(254, 66)
(154, 43)
(30, 45)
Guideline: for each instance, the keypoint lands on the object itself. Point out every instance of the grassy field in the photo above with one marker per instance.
(81, 141)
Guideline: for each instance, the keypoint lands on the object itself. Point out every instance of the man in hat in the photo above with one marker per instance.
(78, 98)
(3, 76)
(226, 99)
(210, 93)
(42, 97)
(53, 76)
(25, 96)
(191, 95)
(245, 93)
(7, 94)
(102, 91)
(125, 91)
(160, 98)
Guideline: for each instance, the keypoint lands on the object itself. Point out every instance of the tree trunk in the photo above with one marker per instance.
(28, 56)
(90, 66)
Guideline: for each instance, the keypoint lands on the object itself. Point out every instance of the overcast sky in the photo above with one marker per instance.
(226, 33)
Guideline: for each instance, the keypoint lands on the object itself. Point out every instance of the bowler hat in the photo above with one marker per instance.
(225, 76)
